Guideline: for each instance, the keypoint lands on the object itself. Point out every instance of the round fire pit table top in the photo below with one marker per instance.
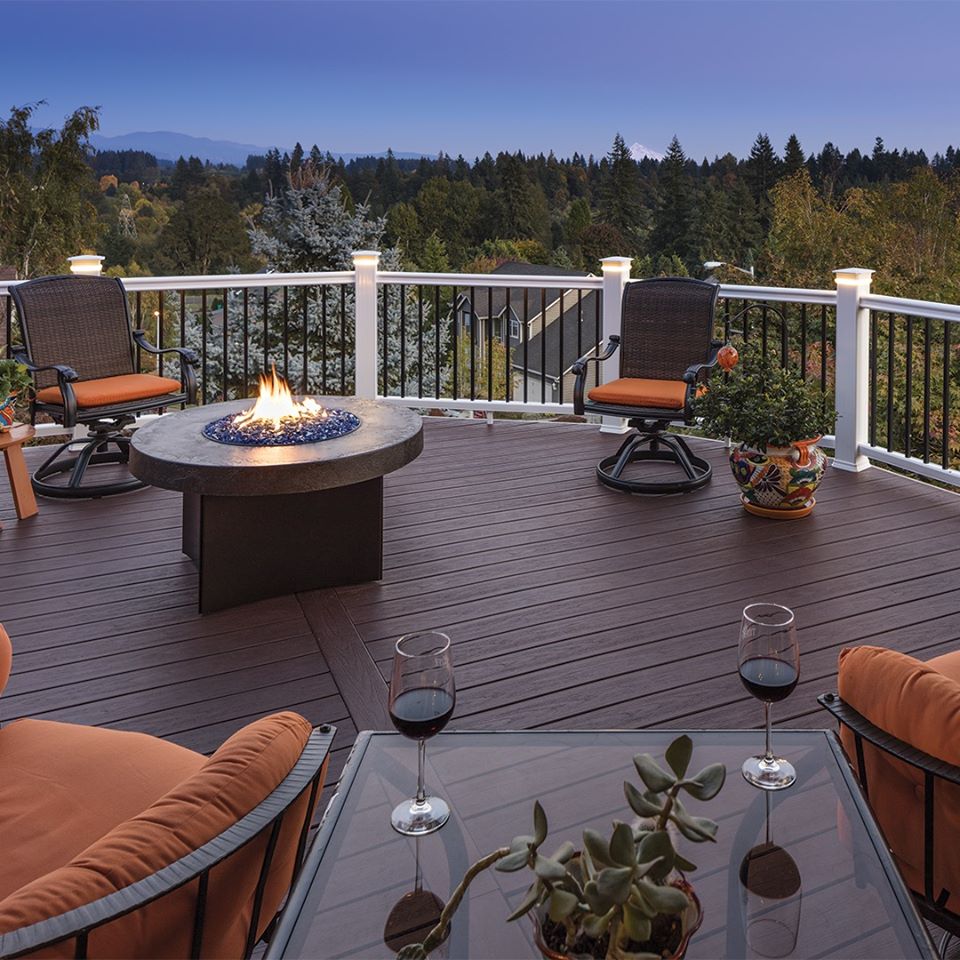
(172, 452)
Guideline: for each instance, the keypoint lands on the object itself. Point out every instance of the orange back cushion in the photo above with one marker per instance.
(248, 767)
(6, 657)
(919, 704)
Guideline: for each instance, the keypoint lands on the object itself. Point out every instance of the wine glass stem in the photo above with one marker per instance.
(768, 756)
(422, 752)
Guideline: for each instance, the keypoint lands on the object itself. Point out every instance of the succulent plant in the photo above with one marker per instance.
(616, 885)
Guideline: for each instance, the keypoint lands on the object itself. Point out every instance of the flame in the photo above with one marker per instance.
(275, 404)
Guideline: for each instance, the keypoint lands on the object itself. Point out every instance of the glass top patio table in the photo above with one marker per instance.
(851, 902)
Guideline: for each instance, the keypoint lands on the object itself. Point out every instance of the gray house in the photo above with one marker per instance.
(546, 330)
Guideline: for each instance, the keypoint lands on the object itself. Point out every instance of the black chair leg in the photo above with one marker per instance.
(659, 447)
(96, 451)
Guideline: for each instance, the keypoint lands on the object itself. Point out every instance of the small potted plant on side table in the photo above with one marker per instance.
(14, 381)
(619, 898)
(776, 418)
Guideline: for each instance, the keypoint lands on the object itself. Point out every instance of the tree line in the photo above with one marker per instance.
(792, 215)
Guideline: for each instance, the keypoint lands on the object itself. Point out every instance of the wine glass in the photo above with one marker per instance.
(769, 665)
(422, 696)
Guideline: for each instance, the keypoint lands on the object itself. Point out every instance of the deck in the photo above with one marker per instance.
(569, 605)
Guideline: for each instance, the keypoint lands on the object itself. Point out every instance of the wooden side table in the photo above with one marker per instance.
(11, 443)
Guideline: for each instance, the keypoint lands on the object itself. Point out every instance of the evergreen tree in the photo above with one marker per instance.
(793, 159)
(762, 168)
(620, 202)
(674, 217)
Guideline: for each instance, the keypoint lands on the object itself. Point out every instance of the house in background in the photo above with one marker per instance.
(546, 330)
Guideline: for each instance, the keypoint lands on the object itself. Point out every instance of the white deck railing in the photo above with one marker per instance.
(852, 306)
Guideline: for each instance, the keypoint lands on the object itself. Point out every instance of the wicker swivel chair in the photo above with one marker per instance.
(79, 347)
(666, 348)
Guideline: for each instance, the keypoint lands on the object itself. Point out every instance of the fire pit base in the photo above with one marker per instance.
(264, 521)
(252, 548)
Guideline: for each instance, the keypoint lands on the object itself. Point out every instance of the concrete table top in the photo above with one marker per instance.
(173, 453)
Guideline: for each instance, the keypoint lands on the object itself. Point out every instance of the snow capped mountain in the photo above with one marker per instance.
(639, 152)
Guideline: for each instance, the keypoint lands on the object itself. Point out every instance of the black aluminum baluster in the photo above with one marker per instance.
(323, 339)
(226, 348)
(203, 333)
(266, 331)
(138, 314)
(873, 379)
(945, 453)
(891, 341)
(160, 298)
(473, 344)
(286, 333)
(823, 348)
(908, 400)
(8, 324)
(420, 341)
(246, 341)
(560, 365)
(489, 343)
(455, 336)
(343, 339)
(926, 390)
(383, 337)
(525, 331)
(402, 291)
(436, 345)
(803, 340)
(305, 380)
(508, 349)
(543, 345)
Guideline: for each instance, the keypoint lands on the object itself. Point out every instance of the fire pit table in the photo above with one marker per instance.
(266, 520)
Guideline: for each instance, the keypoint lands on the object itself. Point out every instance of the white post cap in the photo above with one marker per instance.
(365, 256)
(616, 263)
(86, 263)
(853, 276)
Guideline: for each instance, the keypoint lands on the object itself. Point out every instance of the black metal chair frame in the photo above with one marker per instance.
(651, 441)
(930, 904)
(77, 924)
(106, 423)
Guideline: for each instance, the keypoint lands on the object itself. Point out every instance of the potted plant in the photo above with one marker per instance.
(776, 418)
(14, 380)
(621, 897)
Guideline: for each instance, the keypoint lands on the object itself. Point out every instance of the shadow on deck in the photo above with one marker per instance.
(568, 604)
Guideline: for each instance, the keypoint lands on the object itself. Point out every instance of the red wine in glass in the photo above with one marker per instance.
(422, 698)
(769, 665)
(768, 679)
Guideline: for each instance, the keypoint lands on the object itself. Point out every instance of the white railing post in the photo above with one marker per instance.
(616, 273)
(852, 364)
(365, 310)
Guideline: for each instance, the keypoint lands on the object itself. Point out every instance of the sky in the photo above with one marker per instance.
(467, 77)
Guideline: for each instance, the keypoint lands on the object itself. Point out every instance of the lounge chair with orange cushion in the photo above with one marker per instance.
(900, 728)
(81, 351)
(666, 349)
(119, 844)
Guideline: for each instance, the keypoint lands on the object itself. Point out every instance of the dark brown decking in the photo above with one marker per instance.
(568, 604)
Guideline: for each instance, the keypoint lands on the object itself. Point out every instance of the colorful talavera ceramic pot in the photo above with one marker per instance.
(7, 416)
(779, 482)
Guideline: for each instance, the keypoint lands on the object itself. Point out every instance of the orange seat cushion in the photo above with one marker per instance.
(920, 704)
(110, 390)
(247, 768)
(633, 392)
(64, 786)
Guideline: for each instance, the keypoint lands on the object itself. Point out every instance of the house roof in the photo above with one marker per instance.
(491, 301)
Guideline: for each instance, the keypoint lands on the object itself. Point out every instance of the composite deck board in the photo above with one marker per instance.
(569, 604)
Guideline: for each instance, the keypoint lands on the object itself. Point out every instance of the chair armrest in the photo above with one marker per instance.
(185, 353)
(77, 923)
(694, 370)
(188, 362)
(862, 728)
(579, 368)
(64, 373)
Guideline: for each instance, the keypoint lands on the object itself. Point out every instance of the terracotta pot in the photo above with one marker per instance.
(690, 920)
(780, 481)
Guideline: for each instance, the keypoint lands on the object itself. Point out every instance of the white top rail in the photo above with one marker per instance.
(778, 294)
(912, 308)
(492, 280)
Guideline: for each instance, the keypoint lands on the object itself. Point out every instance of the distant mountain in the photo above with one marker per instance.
(167, 145)
(639, 152)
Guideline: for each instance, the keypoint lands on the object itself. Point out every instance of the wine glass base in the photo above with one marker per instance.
(416, 819)
(776, 774)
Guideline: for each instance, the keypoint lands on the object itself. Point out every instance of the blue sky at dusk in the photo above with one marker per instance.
(465, 77)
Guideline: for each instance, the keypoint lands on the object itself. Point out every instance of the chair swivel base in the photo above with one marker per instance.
(95, 451)
(661, 448)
